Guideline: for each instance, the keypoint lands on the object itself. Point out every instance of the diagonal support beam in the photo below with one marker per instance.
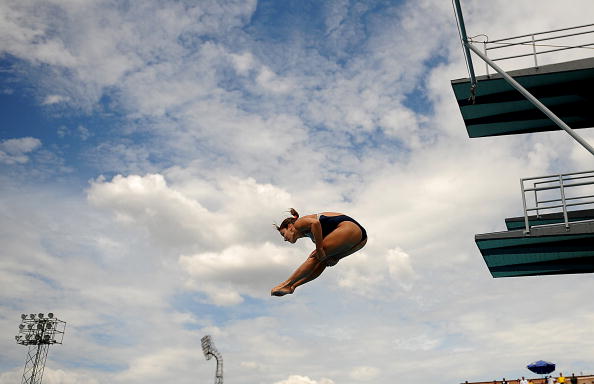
(531, 98)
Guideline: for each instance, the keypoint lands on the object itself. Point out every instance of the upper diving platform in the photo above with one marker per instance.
(565, 87)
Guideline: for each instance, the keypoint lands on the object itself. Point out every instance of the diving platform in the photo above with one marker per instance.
(555, 235)
(567, 89)
(546, 250)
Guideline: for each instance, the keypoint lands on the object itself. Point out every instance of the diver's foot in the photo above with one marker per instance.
(281, 291)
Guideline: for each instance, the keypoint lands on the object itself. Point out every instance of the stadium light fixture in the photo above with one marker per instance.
(209, 351)
(38, 333)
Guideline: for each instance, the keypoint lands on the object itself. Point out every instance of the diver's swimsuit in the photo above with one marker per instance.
(330, 223)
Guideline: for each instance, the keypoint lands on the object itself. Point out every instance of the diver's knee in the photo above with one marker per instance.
(331, 261)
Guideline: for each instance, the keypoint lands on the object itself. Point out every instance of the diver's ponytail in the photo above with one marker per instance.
(288, 220)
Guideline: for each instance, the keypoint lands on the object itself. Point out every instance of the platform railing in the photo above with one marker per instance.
(540, 43)
(566, 190)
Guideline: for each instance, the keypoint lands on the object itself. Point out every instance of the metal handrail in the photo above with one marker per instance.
(567, 198)
(544, 32)
(543, 52)
(533, 42)
(561, 185)
(553, 187)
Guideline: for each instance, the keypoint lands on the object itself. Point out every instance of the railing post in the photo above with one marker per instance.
(526, 223)
(534, 50)
(563, 201)
(486, 65)
(536, 200)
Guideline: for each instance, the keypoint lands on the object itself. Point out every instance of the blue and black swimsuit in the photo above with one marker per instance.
(330, 223)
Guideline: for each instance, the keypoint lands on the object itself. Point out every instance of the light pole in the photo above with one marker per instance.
(38, 332)
(209, 351)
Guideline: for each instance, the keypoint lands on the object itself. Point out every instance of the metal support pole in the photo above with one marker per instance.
(465, 42)
(532, 99)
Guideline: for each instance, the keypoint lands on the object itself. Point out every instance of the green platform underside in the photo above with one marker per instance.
(526, 256)
(564, 267)
(501, 110)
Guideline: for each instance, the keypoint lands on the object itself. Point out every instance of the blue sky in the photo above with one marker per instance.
(146, 149)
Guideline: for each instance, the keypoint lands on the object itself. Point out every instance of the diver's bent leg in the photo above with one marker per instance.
(314, 274)
(330, 261)
(304, 270)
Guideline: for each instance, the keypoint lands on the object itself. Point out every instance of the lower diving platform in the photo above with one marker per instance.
(545, 250)
(560, 242)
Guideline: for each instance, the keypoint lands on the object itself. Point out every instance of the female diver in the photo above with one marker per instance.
(335, 235)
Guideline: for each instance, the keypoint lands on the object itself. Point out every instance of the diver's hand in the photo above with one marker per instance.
(320, 254)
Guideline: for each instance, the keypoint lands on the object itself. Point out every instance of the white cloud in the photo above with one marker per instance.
(240, 208)
(416, 343)
(15, 151)
(400, 267)
(364, 373)
(243, 63)
(54, 99)
(11, 377)
(84, 132)
(252, 365)
(62, 131)
(171, 218)
(223, 266)
(158, 365)
(59, 376)
(236, 270)
(272, 82)
(296, 379)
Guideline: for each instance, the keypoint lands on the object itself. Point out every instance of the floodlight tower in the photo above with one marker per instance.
(209, 351)
(38, 332)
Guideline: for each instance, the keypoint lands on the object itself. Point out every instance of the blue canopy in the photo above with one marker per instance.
(541, 367)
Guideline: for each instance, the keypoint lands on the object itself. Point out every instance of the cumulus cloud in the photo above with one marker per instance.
(15, 151)
(240, 209)
(238, 269)
(367, 275)
(227, 261)
(170, 217)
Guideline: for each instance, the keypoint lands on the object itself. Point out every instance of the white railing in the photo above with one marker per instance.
(539, 43)
(560, 193)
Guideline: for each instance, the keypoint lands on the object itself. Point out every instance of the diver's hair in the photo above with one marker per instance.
(288, 220)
